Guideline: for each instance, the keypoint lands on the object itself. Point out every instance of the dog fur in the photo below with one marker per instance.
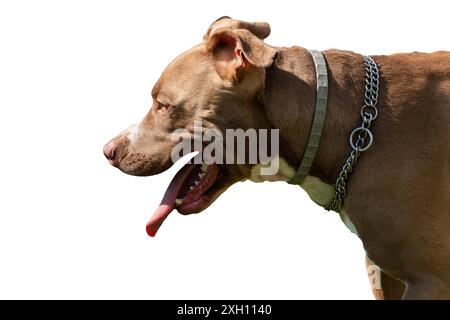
(398, 198)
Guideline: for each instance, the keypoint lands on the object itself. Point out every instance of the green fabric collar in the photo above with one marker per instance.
(318, 120)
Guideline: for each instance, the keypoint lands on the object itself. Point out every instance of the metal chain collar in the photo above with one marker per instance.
(369, 112)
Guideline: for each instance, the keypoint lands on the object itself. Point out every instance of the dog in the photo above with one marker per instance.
(398, 195)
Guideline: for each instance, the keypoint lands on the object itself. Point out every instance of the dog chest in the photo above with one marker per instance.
(321, 193)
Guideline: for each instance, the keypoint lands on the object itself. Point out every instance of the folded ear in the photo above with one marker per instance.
(259, 29)
(235, 51)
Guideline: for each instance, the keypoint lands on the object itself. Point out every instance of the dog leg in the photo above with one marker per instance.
(384, 286)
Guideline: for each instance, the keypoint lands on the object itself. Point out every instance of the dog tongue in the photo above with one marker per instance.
(168, 202)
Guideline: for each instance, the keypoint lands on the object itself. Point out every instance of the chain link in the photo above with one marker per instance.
(369, 112)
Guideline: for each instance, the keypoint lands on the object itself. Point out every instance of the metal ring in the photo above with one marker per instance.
(374, 112)
(358, 130)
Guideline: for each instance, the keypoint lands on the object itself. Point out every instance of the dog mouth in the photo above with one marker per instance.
(194, 188)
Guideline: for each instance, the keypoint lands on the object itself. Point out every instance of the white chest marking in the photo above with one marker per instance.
(321, 193)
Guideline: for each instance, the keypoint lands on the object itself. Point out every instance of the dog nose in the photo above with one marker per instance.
(109, 150)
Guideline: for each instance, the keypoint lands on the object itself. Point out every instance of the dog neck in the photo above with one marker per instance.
(289, 101)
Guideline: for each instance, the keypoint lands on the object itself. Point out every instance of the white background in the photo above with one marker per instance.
(75, 73)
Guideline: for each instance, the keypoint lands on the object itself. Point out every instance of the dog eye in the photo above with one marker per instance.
(161, 106)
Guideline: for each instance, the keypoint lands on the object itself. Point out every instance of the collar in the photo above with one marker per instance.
(318, 120)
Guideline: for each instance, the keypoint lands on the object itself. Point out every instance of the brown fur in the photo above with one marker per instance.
(399, 193)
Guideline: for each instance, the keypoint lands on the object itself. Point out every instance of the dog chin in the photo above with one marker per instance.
(135, 171)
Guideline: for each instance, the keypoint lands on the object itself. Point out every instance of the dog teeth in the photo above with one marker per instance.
(201, 175)
(196, 183)
(179, 201)
(204, 167)
(191, 187)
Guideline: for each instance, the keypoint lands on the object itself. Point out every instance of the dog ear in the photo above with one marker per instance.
(235, 51)
(259, 29)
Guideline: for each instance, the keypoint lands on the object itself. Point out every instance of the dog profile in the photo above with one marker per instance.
(398, 195)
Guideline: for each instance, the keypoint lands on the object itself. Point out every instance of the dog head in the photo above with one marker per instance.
(214, 87)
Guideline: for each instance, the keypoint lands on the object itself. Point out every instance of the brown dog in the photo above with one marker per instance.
(398, 198)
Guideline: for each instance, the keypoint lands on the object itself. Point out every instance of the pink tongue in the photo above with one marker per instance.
(168, 202)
